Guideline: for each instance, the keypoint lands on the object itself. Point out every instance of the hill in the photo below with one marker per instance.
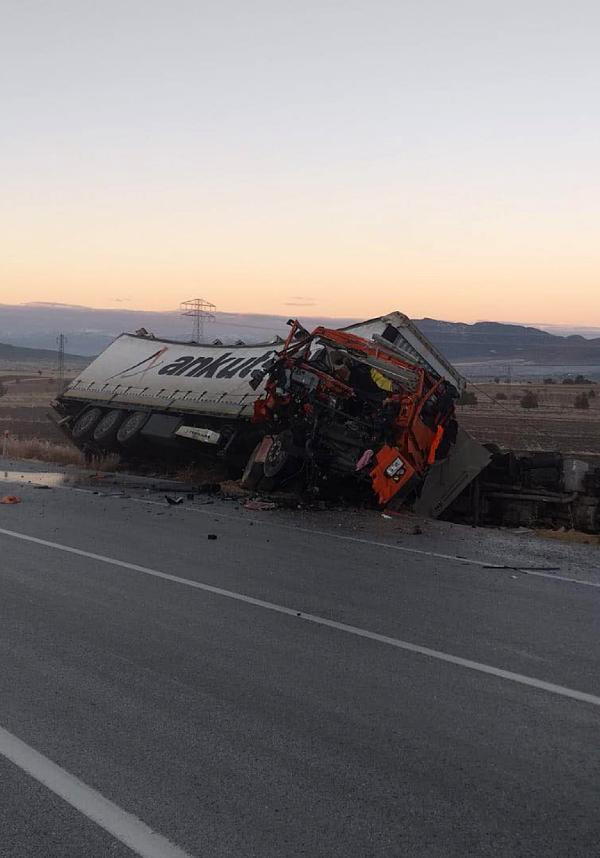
(485, 341)
(14, 355)
(88, 331)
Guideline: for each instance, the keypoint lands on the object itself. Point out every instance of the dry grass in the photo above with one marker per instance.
(570, 536)
(59, 454)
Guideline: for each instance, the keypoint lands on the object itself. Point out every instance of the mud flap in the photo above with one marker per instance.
(447, 479)
(254, 472)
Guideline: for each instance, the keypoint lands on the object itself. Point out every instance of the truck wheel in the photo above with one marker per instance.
(278, 456)
(281, 464)
(131, 426)
(85, 424)
(106, 430)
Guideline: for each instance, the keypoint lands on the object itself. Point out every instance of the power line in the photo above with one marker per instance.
(60, 369)
(201, 311)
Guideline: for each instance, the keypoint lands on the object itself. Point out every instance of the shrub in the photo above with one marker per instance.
(530, 400)
(591, 394)
(549, 381)
(582, 401)
(467, 398)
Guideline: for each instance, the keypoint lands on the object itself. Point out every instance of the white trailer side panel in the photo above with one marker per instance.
(137, 371)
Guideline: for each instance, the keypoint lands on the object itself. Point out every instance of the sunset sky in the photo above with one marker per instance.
(343, 158)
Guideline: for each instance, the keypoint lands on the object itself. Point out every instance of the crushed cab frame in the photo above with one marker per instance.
(347, 416)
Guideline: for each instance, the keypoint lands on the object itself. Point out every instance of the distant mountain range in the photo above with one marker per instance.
(88, 331)
(484, 341)
(18, 355)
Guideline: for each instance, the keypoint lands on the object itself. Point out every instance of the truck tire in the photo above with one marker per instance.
(106, 429)
(278, 457)
(281, 463)
(85, 424)
(131, 427)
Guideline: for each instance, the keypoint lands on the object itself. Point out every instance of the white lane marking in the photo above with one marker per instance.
(320, 621)
(293, 527)
(125, 827)
(332, 535)
(537, 574)
(485, 564)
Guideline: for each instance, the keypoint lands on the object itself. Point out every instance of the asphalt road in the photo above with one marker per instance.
(260, 694)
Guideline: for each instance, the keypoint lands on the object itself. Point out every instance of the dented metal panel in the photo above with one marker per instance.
(409, 343)
(448, 478)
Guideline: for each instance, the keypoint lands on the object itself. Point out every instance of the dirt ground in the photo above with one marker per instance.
(555, 425)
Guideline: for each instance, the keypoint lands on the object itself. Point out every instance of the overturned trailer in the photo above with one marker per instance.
(368, 409)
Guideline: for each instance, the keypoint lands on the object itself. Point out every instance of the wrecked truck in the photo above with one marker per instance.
(367, 410)
(345, 416)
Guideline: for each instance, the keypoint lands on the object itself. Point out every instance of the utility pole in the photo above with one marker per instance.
(201, 311)
(60, 369)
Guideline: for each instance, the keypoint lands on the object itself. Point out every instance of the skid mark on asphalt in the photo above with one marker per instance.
(408, 646)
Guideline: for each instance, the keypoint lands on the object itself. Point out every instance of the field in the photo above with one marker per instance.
(554, 425)
(25, 404)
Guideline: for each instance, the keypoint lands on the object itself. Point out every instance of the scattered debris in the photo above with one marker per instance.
(10, 499)
(174, 501)
(212, 536)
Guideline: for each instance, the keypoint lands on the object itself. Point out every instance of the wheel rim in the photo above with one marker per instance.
(276, 458)
(131, 426)
(85, 424)
(107, 424)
